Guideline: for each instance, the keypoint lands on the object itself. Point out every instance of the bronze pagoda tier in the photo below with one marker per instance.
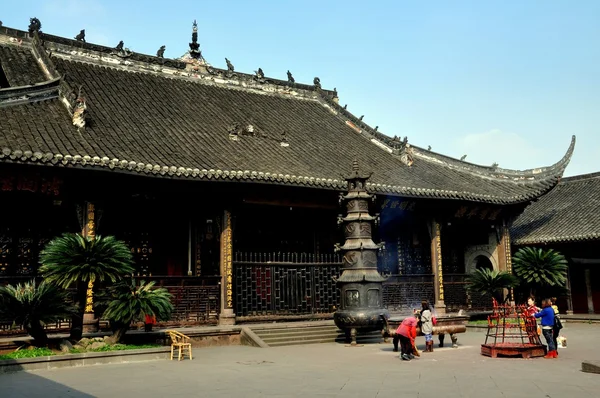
(361, 304)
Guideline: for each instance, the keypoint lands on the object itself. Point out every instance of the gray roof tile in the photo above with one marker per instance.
(162, 125)
(568, 213)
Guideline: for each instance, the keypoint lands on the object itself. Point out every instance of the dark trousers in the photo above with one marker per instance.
(405, 345)
(555, 333)
(549, 336)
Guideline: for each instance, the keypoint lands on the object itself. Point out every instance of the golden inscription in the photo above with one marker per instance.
(90, 232)
(438, 247)
(227, 258)
(89, 300)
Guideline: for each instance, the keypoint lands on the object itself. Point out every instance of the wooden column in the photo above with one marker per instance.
(504, 255)
(90, 323)
(436, 267)
(226, 316)
(588, 286)
(569, 294)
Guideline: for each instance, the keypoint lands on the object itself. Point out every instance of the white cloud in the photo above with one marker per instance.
(509, 150)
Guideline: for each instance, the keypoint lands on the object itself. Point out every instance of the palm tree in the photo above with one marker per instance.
(490, 282)
(540, 268)
(129, 302)
(73, 259)
(33, 307)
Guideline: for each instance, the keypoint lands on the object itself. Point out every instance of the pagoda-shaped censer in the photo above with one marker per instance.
(361, 299)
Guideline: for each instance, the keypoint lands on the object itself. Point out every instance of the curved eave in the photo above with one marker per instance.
(554, 171)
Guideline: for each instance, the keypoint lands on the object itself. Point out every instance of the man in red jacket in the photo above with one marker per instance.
(407, 331)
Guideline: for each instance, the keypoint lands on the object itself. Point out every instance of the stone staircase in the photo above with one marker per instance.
(307, 334)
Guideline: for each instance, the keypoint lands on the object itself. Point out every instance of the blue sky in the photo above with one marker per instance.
(500, 81)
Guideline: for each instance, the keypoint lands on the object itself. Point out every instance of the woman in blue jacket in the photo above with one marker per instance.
(547, 315)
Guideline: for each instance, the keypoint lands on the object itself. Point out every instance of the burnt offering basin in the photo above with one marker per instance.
(446, 324)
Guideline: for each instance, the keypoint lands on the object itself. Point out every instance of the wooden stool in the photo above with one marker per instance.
(179, 340)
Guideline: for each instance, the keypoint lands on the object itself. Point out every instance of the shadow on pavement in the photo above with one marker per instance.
(26, 384)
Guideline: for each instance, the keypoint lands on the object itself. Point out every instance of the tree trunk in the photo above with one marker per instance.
(37, 331)
(118, 335)
(77, 319)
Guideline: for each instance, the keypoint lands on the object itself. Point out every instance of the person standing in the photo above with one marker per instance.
(557, 324)
(427, 325)
(547, 315)
(530, 323)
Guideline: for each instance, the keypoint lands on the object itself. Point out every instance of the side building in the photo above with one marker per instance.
(226, 185)
(568, 220)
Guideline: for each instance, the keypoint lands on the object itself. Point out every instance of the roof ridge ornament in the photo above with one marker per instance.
(259, 75)
(81, 36)
(161, 52)
(79, 110)
(317, 83)
(230, 67)
(34, 26)
(290, 77)
(122, 51)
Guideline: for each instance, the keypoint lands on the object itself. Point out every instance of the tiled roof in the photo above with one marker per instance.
(20, 66)
(568, 213)
(161, 121)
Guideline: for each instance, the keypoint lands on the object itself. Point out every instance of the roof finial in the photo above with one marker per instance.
(161, 52)
(290, 77)
(463, 157)
(355, 165)
(429, 147)
(194, 46)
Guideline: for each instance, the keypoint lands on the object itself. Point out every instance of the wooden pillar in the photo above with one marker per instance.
(226, 316)
(505, 256)
(90, 323)
(588, 286)
(569, 294)
(436, 267)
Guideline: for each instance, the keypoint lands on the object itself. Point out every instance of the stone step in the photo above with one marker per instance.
(301, 342)
(276, 337)
(291, 331)
(331, 337)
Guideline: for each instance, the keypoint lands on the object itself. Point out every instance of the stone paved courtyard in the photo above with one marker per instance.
(329, 370)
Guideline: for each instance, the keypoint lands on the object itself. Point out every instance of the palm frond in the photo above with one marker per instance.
(129, 301)
(539, 267)
(490, 282)
(73, 258)
(27, 304)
